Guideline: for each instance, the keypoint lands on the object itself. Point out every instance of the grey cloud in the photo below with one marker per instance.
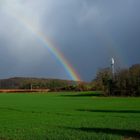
(88, 32)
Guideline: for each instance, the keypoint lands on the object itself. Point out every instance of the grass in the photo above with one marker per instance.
(68, 116)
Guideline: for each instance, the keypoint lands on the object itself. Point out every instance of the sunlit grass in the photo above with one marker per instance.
(68, 116)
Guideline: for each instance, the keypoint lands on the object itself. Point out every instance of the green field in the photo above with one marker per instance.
(69, 116)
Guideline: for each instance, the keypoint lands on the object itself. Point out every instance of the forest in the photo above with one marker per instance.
(125, 82)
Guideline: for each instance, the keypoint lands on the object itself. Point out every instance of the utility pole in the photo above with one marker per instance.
(112, 67)
(111, 81)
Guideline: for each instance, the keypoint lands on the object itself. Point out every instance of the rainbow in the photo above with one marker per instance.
(48, 44)
(112, 46)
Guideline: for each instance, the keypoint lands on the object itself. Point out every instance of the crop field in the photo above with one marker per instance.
(68, 116)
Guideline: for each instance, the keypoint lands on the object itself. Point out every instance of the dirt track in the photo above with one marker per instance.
(22, 90)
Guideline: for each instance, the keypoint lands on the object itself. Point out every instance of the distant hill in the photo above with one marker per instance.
(35, 83)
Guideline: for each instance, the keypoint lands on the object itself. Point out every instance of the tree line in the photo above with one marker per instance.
(125, 82)
(42, 83)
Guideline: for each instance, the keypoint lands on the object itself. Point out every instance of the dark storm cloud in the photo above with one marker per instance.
(88, 32)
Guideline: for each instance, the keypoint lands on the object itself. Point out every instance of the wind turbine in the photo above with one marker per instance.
(112, 66)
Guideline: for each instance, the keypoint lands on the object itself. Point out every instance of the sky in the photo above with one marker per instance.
(87, 32)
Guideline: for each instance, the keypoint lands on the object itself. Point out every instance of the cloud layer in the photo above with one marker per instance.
(88, 32)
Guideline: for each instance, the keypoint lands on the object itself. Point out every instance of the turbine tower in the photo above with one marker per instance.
(112, 66)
